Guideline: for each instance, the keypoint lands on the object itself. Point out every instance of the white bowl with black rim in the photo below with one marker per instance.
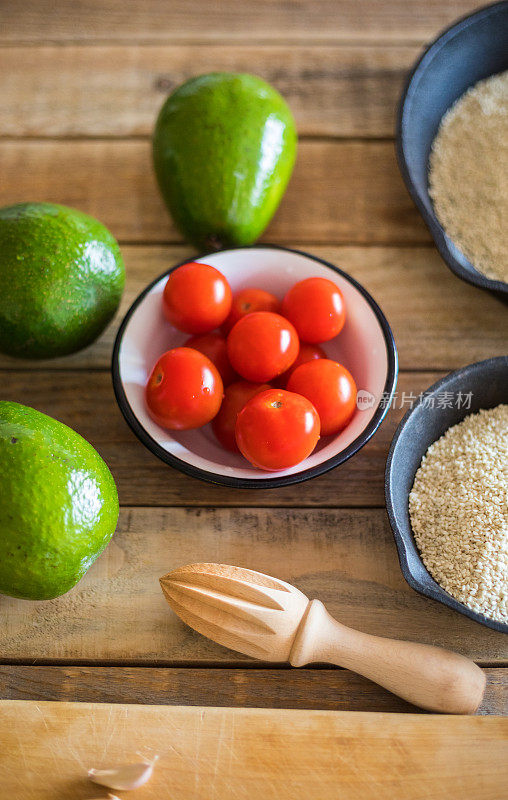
(365, 346)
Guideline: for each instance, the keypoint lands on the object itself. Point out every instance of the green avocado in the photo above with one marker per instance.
(58, 504)
(224, 147)
(61, 279)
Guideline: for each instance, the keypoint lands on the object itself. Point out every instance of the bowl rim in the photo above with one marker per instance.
(271, 482)
(475, 278)
(432, 589)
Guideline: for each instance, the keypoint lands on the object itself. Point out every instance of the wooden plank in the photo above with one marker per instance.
(85, 401)
(411, 284)
(198, 20)
(118, 90)
(345, 557)
(341, 191)
(323, 689)
(237, 754)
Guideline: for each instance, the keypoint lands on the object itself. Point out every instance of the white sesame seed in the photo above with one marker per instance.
(459, 511)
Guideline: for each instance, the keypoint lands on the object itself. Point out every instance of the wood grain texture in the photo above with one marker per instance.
(353, 191)
(71, 71)
(439, 322)
(118, 90)
(317, 688)
(195, 20)
(237, 754)
(85, 402)
(346, 558)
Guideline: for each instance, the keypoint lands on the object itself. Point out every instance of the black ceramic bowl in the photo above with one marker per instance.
(472, 49)
(487, 381)
(365, 346)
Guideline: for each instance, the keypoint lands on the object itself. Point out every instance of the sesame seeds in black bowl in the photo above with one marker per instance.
(447, 403)
(471, 50)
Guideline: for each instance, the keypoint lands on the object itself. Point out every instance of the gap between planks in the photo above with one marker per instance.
(142, 137)
(203, 41)
(138, 664)
(258, 687)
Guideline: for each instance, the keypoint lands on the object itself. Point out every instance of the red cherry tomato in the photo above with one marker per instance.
(307, 352)
(330, 388)
(184, 390)
(246, 301)
(277, 429)
(213, 346)
(197, 298)
(235, 397)
(316, 308)
(261, 346)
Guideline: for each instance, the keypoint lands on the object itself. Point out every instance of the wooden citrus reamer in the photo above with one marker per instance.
(271, 620)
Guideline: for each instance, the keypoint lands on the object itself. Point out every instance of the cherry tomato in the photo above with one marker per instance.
(197, 298)
(307, 352)
(316, 308)
(213, 346)
(246, 301)
(235, 397)
(277, 429)
(262, 345)
(330, 388)
(184, 390)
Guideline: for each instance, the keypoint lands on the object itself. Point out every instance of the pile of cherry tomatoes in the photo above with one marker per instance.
(262, 379)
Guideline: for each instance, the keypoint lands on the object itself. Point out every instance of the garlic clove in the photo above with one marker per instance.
(109, 797)
(124, 776)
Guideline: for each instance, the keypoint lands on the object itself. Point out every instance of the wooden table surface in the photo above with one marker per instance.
(81, 84)
(228, 753)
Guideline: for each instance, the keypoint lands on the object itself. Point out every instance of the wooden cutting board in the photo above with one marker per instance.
(46, 749)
